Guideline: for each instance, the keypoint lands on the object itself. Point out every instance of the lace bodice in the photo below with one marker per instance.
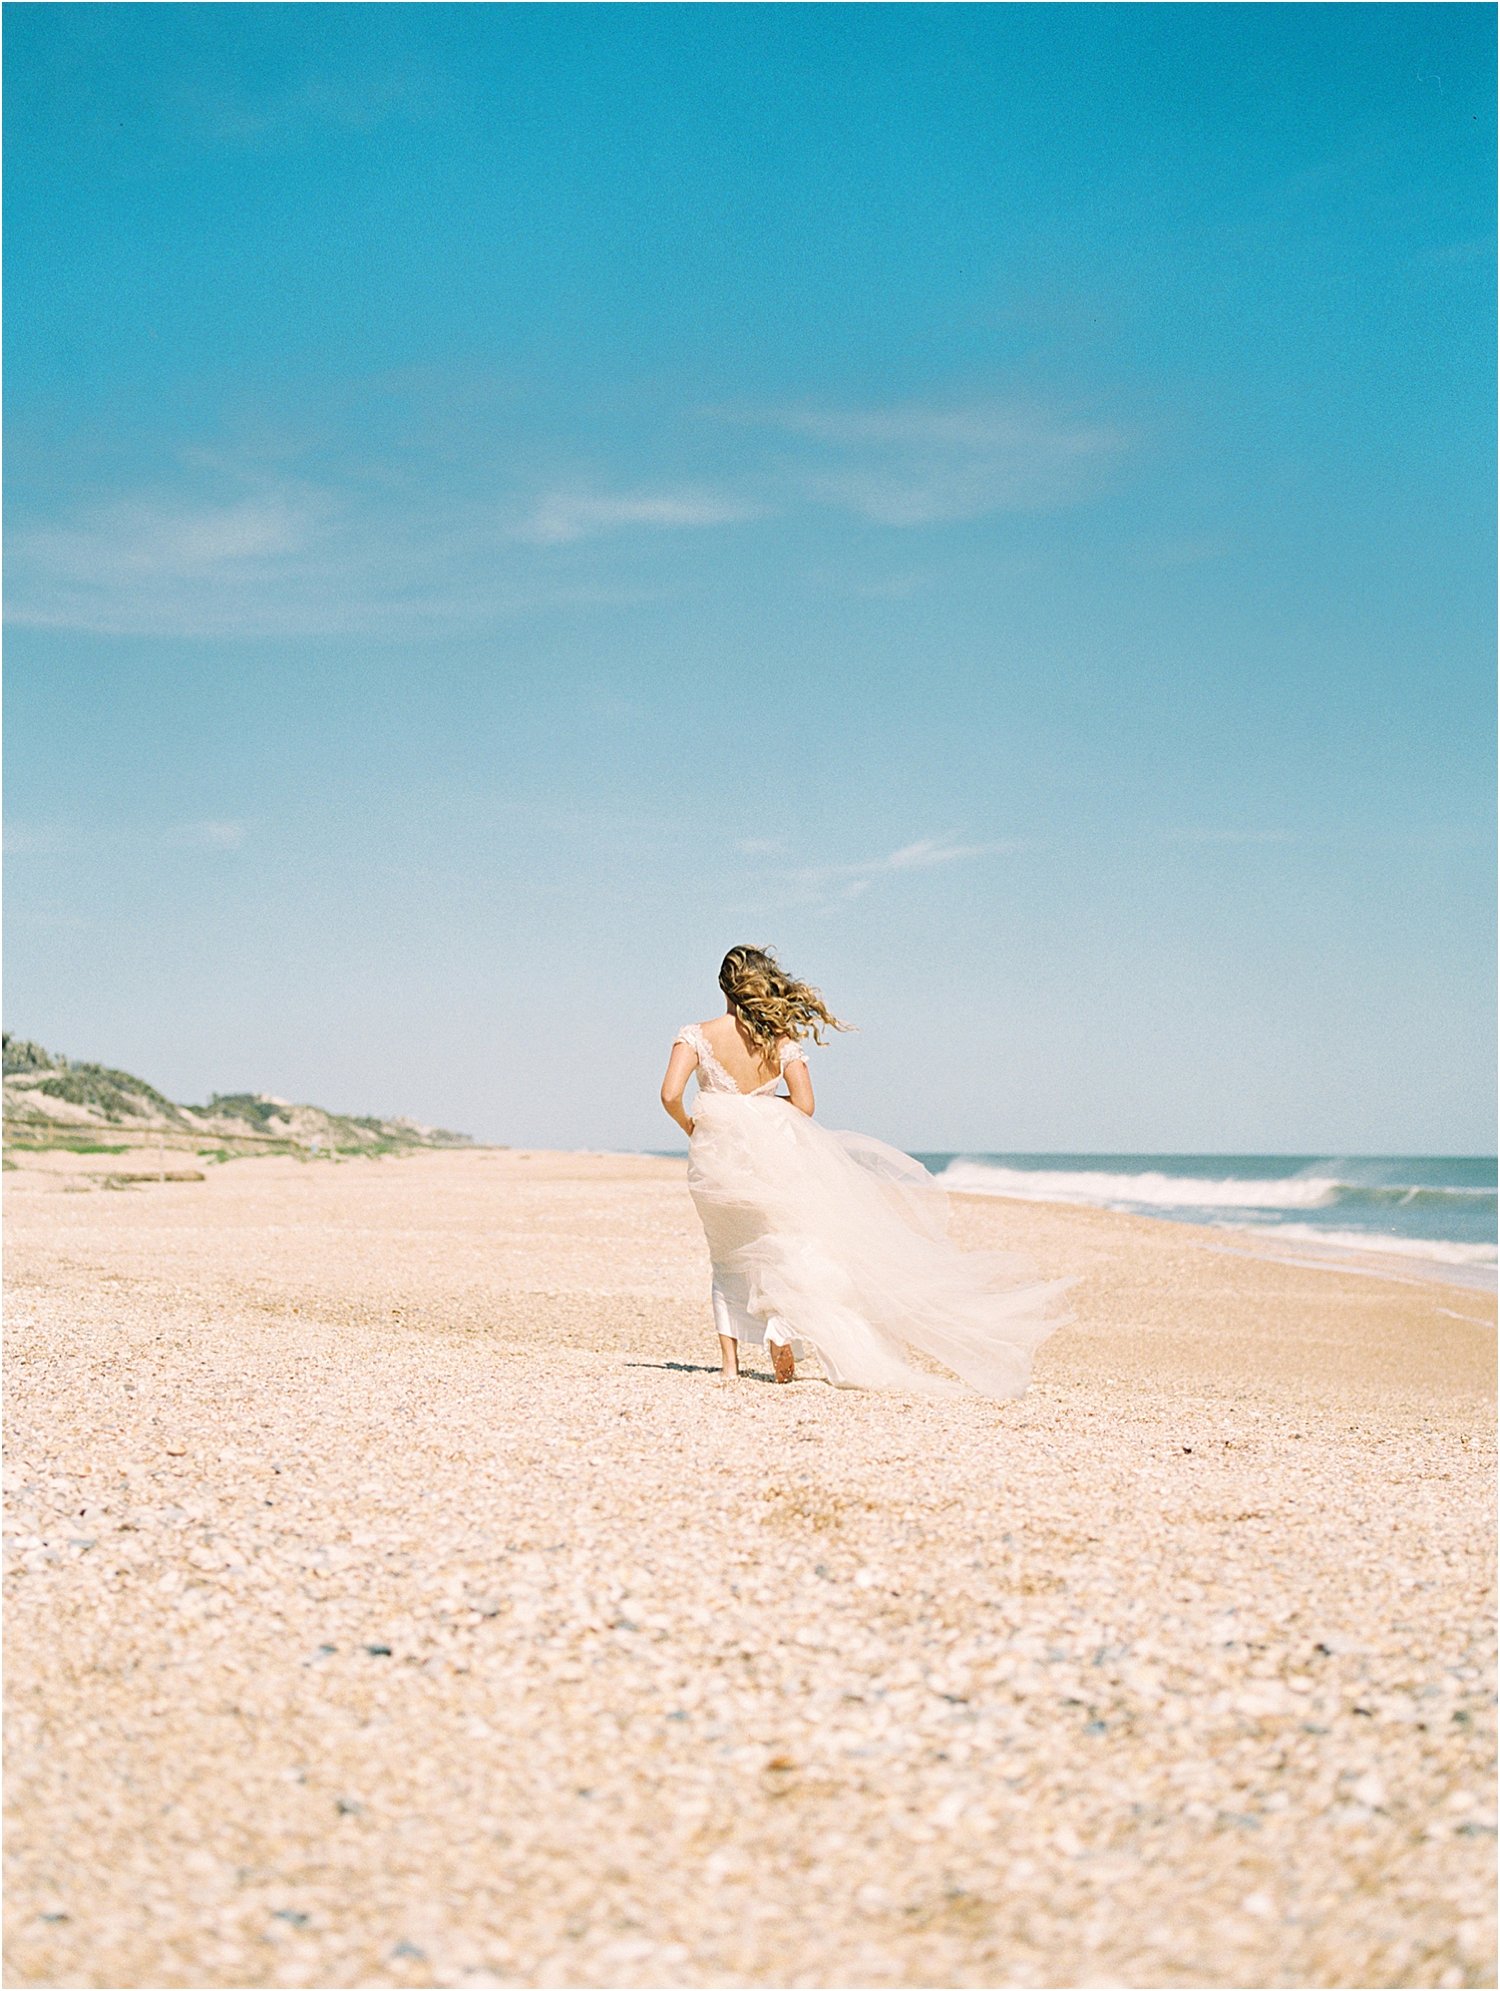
(712, 1076)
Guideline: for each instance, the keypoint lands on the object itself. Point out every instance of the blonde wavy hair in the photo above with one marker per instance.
(770, 1003)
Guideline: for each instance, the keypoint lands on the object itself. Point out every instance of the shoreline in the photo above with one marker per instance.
(136, 1164)
(1368, 1263)
(1400, 1259)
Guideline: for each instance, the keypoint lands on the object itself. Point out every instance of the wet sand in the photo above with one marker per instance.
(393, 1598)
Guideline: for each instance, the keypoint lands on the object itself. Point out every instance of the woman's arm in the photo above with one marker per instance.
(680, 1067)
(799, 1086)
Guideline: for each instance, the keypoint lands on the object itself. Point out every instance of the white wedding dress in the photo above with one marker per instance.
(839, 1243)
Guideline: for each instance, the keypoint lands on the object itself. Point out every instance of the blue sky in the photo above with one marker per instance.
(997, 501)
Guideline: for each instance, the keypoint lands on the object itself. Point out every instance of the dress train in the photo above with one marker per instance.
(845, 1240)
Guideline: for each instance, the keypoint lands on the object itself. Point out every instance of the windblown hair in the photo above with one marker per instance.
(770, 1003)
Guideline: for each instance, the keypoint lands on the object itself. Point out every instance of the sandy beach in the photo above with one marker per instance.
(393, 1598)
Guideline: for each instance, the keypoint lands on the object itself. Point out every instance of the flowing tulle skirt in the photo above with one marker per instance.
(845, 1240)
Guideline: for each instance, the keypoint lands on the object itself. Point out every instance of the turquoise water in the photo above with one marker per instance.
(1430, 1212)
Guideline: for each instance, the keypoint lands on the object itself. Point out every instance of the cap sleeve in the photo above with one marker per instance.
(792, 1052)
(688, 1035)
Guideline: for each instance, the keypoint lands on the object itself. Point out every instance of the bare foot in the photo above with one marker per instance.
(783, 1362)
(727, 1376)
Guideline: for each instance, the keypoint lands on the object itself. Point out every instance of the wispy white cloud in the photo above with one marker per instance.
(155, 564)
(916, 463)
(810, 884)
(254, 544)
(284, 558)
(929, 851)
(140, 540)
(561, 517)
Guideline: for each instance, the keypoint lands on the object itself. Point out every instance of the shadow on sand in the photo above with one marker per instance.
(702, 1369)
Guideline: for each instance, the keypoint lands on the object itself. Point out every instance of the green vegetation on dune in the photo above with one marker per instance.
(21, 1055)
(115, 1095)
(250, 1106)
(113, 1099)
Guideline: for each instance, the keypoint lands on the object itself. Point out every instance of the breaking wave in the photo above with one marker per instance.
(1148, 1191)
(1421, 1210)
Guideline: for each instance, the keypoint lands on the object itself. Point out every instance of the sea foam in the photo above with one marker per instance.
(1440, 1251)
(1059, 1185)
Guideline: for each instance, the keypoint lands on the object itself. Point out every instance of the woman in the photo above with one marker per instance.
(826, 1240)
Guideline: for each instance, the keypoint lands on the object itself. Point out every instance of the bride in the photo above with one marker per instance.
(827, 1241)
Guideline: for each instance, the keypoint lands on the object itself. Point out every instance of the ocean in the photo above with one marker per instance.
(1429, 1217)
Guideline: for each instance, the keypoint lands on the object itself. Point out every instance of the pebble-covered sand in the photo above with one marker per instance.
(394, 1598)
